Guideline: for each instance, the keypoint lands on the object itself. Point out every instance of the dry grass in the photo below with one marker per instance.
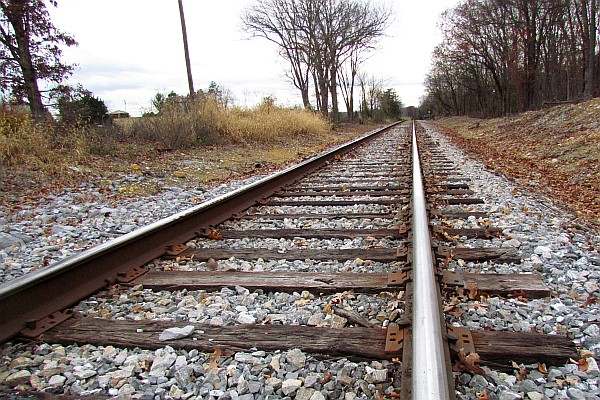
(45, 147)
(206, 121)
(183, 148)
(271, 124)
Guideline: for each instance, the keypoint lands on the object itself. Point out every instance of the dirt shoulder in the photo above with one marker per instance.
(201, 168)
(556, 151)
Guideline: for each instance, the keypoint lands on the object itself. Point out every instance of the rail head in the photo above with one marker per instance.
(430, 375)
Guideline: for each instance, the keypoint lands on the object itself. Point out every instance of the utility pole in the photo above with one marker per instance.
(186, 51)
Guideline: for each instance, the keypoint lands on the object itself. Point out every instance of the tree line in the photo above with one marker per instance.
(500, 57)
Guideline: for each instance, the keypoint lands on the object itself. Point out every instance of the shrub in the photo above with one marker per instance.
(81, 106)
(44, 145)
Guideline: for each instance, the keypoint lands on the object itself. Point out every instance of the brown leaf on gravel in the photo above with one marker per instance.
(575, 296)
(521, 371)
(473, 291)
(215, 234)
(483, 395)
(542, 368)
(213, 360)
(583, 365)
(468, 363)
(518, 294)
(378, 396)
(570, 380)
(590, 300)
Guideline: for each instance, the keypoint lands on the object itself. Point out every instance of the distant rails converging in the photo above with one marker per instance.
(354, 240)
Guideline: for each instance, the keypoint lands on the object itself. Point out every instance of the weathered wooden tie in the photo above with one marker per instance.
(381, 255)
(495, 348)
(527, 285)
(304, 233)
(499, 255)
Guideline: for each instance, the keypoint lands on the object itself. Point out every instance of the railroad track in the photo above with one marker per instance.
(334, 257)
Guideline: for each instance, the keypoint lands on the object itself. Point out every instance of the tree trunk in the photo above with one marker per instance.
(317, 90)
(351, 96)
(590, 49)
(34, 96)
(323, 90)
(334, 99)
(38, 111)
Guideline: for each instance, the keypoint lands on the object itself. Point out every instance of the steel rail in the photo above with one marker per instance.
(29, 298)
(429, 373)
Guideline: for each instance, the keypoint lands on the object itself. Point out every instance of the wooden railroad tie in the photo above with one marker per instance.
(321, 282)
(495, 348)
(500, 255)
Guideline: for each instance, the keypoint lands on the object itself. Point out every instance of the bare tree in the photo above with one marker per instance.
(30, 52)
(316, 37)
(356, 27)
(279, 21)
(371, 89)
(505, 56)
(347, 81)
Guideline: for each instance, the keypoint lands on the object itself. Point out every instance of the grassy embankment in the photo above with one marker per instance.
(206, 142)
(556, 150)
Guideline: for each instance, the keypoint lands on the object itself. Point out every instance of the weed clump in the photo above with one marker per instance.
(44, 145)
(205, 120)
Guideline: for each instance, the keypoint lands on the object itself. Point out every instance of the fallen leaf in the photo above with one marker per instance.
(327, 376)
(521, 373)
(339, 297)
(302, 302)
(473, 291)
(468, 363)
(542, 368)
(394, 304)
(214, 360)
(215, 234)
(457, 313)
(378, 396)
(518, 294)
(583, 365)
(569, 380)
(590, 300)
(584, 353)
(483, 395)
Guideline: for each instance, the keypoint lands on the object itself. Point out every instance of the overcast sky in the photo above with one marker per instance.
(130, 49)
